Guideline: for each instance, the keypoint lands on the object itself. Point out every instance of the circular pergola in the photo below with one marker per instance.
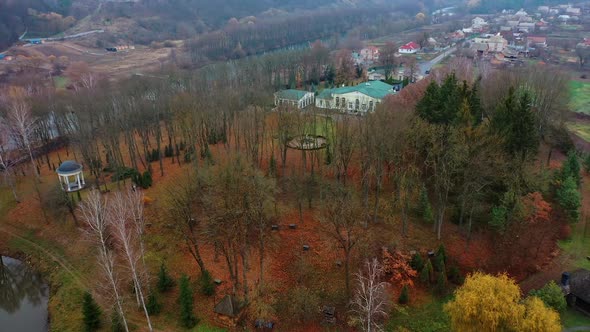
(71, 176)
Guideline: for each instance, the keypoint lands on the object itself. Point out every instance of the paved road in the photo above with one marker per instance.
(424, 66)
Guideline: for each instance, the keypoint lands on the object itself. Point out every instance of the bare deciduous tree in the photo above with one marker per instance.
(370, 303)
(94, 215)
(120, 218)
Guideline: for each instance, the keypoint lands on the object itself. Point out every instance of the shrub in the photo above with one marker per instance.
(185, 299)
(143, 180)
(122, 173)
(417, 263)
(91, 313)
(302, 304)
(153, 306)
(272, 165)
(404, 296)
(552, 295)
(206, 285)
(165, 282)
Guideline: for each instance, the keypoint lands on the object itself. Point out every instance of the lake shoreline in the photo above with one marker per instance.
(36, 266)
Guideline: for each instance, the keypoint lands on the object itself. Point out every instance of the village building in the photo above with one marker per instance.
(536, 41)
(291, 97)
(478, 24)
(369, 54)
(359, 99)
(576, 287)
(409, 48)
(493, 44)
(573, 11)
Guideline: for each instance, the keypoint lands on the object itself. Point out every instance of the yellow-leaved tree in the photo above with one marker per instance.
(493, 303)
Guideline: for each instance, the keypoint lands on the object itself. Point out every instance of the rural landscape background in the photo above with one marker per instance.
(294, 165)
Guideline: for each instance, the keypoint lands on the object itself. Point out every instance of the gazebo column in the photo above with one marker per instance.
(83, 181)
(67, 178)
(78, 180)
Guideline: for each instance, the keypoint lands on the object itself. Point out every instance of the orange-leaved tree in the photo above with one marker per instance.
(397, 265)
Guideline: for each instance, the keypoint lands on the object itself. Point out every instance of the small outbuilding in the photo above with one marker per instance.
(576, 287)
(71, 176)
(228, 312)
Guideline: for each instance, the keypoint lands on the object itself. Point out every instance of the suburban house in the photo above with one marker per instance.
(298, 98)
(573, 11)
(493, 44)
(478, 24)
(535, 41)
(370, 53)
(576, 287)
(357, 99)
(409, 48)
(376, 75)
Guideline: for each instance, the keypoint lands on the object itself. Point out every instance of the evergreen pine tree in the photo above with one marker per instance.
(153, 306)
(426, 273)
(517, 122)
(91, 313)
(417, 263)
(441, 283)
(571, 167)
(404, 296)
(185, 299)
(442, 252)
(165, 282)
(569, 199)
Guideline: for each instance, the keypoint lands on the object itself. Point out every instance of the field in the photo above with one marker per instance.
(580, 97)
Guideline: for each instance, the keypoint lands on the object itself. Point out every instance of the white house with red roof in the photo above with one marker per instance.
(409, 48)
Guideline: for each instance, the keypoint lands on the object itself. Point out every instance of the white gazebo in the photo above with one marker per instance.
(71, 176)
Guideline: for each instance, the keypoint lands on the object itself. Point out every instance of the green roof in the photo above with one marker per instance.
(291, 94)
(375, 89)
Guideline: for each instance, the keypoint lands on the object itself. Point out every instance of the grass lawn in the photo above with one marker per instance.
(323, 127)
(573, 318)
(580, 129)
(427, 318)
(580, 97)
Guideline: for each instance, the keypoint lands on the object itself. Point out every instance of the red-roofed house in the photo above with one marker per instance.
(587, 41)
(535, 41)
(409, 48)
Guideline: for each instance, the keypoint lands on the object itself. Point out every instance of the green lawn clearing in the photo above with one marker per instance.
(573, 318)
(581, 129)
(580, 97)
(427, 318)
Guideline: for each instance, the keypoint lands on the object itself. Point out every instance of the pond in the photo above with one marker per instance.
(23, 298)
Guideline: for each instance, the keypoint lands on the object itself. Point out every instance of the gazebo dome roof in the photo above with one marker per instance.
(69, 166)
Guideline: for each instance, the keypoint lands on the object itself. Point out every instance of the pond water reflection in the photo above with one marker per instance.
(23, 298)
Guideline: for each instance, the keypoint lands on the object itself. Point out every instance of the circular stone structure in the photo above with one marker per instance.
(308, 142)
(71, 176)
